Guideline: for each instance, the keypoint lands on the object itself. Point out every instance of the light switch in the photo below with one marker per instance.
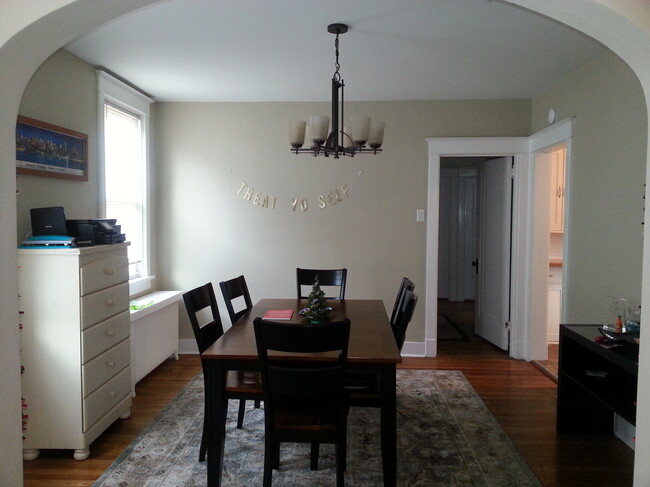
(419, 215)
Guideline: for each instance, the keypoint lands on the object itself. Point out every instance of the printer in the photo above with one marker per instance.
(95, 232)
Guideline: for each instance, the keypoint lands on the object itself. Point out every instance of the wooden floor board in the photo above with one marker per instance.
(520, 397)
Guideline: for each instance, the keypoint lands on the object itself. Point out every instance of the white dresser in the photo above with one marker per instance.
(75, 352)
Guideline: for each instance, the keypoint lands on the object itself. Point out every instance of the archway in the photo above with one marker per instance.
(31, 31)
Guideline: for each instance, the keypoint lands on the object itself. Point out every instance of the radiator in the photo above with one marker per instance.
(154, 333)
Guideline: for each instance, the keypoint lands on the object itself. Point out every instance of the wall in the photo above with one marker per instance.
(605, 238)
(211, 233)
(63, 92)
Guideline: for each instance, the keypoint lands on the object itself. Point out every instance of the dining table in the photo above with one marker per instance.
(372, 348)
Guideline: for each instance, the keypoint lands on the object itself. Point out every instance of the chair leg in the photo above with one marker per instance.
(313, 463)
(269, 455)
(257, 403)
(240, 415)
(204, 443)
(275, 455)
(340, 453)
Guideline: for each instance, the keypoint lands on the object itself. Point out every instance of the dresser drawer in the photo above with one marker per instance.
(103, 272)
(103, 304)
(104, 335)
(106, 398)
(102, 368)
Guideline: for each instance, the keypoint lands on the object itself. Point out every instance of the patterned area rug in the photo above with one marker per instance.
(446, 437)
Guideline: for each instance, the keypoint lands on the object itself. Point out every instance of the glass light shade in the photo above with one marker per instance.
(297, 133)
(360, 129)
(347, 139)
(376, 137)
(318, 127)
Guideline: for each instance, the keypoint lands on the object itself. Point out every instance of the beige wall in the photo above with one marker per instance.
(607, 183)
(62, 92)
(209, 232)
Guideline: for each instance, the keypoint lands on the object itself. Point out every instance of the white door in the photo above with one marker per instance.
(493, 300)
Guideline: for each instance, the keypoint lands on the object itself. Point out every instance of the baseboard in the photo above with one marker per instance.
(414, 349)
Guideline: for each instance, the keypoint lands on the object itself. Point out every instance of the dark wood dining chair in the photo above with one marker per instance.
(233, 291)
(364, 388)
(404, 316)
(304, 400)
(405, 285)
(330, 278)
(207, 330)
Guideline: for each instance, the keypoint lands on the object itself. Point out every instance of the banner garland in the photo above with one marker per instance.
(322, 201)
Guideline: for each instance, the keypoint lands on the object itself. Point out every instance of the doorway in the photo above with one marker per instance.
(474, 249)
(530, 237)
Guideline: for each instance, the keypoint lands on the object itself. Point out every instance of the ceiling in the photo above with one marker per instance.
(280, 50)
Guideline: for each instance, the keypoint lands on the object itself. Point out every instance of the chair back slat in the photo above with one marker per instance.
(404, 316)
(405, 285)
(200, 302)
(231, 291)
(299, 376)
(326, 277)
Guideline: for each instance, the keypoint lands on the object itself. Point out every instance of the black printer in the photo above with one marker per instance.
(95, 232)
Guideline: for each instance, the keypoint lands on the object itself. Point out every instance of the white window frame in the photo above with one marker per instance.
(118, 93)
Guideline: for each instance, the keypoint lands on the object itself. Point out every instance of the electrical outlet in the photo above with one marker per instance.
(419, 215)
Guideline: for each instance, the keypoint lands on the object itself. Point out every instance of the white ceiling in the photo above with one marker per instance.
(280, 50)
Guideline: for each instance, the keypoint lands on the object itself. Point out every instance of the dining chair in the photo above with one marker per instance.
(405, 285)
(304, 400)
(234, 291)
(330, 278)
(203, 312)
(404, 316)
(364, 388)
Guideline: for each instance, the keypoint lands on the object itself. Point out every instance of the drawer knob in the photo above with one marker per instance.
(109, 272)
(111, 364)
(110, 332)
(112, 394)
(110, 302)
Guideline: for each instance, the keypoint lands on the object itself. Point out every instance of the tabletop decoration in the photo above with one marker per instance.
(316, 309)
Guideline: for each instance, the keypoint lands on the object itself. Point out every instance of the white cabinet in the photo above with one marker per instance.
(554, 304)
(75, 351)
(558, 169)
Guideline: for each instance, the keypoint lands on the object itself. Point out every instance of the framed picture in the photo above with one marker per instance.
(43, 149)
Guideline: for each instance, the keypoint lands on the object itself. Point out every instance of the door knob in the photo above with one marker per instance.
(475, 265)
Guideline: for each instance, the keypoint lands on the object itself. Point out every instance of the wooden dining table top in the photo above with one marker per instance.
(371, 337)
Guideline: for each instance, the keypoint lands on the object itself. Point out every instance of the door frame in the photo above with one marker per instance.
(529, 265)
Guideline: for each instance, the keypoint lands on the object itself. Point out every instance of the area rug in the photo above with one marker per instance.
(446, 437)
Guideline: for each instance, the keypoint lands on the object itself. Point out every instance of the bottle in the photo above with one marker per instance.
(619, 324)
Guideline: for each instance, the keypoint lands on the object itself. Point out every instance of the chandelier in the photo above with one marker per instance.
(342, 140)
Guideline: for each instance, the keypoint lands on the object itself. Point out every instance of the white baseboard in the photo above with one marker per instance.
(414, 349)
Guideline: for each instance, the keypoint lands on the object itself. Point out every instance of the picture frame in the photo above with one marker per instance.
(45, 149)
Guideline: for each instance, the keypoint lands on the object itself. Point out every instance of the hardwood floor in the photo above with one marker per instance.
(520, 397)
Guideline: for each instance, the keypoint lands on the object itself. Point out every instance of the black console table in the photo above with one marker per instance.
(594, 382)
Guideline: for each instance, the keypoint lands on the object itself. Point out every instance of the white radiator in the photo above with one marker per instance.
(154, 333)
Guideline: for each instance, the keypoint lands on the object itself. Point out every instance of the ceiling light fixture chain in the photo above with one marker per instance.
(342, 140)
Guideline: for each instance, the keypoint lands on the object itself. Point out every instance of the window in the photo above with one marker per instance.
(124, 116)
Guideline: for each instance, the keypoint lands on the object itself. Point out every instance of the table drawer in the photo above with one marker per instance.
(106, 398)
(103, 304)
(103, 336)
(102, 368)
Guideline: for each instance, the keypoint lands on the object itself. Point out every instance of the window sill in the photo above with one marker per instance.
(140, 285)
